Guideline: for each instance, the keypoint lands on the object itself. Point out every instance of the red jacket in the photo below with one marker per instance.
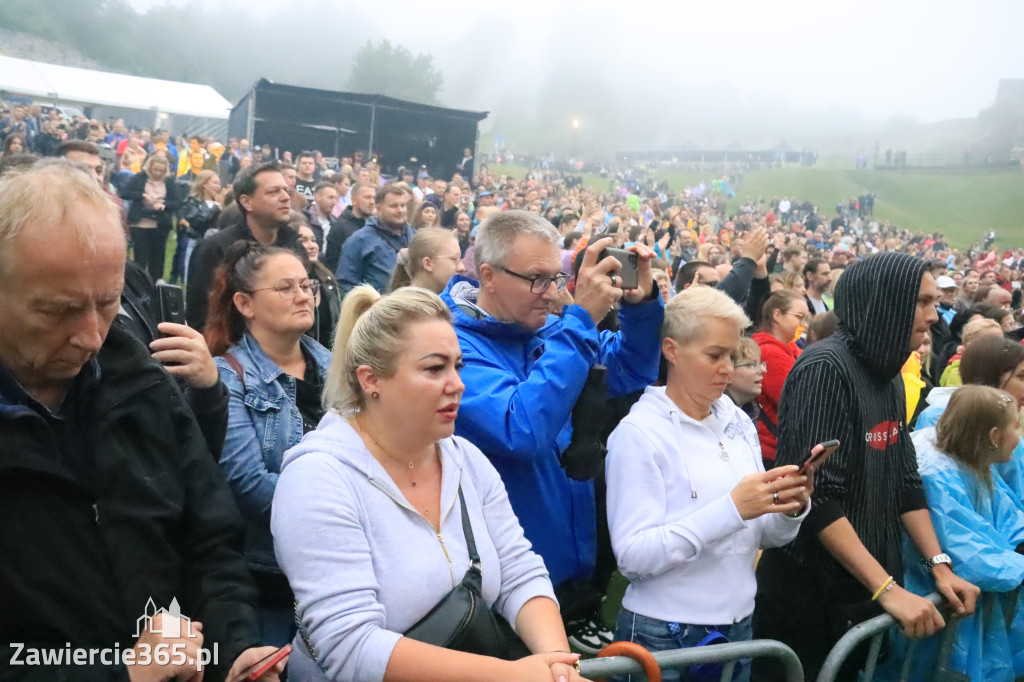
(780, 358)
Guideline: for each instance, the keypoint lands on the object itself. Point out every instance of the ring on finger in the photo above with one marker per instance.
(615, 280)
(775, 498)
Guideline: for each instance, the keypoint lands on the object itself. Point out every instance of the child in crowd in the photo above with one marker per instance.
(979, 526)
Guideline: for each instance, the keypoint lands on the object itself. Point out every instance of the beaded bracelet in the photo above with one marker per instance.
(886, 586)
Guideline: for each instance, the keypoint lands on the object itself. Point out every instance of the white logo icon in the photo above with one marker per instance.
(170, 625)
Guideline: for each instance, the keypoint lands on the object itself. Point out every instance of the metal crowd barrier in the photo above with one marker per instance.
(875, 629)
(677, 659)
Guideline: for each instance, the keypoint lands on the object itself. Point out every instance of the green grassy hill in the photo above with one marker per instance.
(964, 206)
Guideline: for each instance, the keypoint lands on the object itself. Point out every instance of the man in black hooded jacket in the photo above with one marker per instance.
(849, 387)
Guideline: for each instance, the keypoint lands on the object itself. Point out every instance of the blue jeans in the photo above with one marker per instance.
(658, 635)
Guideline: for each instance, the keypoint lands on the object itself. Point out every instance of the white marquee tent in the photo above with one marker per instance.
(113, 91)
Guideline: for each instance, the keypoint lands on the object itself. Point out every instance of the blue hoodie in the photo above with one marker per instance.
(521, 386)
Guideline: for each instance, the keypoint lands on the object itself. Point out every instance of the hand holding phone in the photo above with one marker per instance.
(628, 276)
(819, 453)
(262, 666)
(172, 303)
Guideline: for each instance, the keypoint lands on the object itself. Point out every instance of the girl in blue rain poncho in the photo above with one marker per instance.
(997, 362)
(978, 526)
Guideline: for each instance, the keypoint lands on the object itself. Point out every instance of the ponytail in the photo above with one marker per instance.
(371, 333)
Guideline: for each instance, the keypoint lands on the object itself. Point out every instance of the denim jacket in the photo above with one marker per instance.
(263, 422)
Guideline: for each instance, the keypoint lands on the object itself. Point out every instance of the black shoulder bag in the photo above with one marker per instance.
(462, 620)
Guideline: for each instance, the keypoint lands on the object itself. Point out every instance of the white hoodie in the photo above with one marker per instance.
(365, 566)
(676, 532)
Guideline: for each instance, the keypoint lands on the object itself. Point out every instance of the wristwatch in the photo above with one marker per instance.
(938, 559)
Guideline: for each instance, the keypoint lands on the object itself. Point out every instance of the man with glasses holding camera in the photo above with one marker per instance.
(526, 367)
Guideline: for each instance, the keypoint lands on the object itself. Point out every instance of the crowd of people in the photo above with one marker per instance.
(415, 423)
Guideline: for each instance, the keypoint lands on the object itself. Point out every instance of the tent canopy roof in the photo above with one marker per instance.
(70, 84)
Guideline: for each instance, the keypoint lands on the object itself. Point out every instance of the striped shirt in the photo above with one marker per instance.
(848, 387)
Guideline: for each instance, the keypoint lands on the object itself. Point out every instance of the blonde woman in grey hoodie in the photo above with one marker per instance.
(368, 512)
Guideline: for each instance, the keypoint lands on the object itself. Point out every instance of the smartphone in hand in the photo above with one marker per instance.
(172, 303)
(819, 453)
(629, 274)
(260, 667)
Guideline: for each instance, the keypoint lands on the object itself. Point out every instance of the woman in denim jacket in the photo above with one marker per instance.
(261, 305)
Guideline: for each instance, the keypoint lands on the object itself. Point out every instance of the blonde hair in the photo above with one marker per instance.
(485, 212)
(975, 329)
(747, 350)
(686, 312)
(963, 429)
(370, 332)
(48, 196)
(154, 158)
(199, 185)
(791, 279)
(426, 243)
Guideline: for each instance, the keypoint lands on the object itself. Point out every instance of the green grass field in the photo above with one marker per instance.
(964, 206)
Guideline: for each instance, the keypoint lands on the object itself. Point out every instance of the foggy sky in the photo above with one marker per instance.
(749, 64)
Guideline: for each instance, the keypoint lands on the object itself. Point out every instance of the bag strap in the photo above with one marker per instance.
(237, 366)
(467, 530)
(763, 418)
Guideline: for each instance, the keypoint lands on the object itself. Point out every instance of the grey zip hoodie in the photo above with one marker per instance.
(365, 566)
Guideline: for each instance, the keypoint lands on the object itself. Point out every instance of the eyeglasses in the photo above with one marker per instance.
(539, 283)
(291, 289)
(757, 366)
(454, 259)
(799, 316)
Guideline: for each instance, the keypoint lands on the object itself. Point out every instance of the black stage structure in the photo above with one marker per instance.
(341, 123)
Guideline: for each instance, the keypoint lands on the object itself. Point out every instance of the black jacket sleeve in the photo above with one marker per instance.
(214, 573)
(737, 282)
(815, 407)
(760, 290)
(134, 188)
(332, 250)
(210, 407)
(173, 200)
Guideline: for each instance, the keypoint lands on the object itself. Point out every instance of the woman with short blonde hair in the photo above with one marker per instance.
(689, 501)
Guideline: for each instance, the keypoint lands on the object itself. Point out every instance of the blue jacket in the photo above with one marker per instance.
(263, 422)
(369, 255)
(521, 386)
(1011, 472)
(979, 529)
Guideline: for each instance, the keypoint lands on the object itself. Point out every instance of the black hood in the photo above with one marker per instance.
(875, 301)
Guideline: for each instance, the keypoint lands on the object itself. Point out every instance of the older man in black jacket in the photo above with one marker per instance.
(108, 494)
